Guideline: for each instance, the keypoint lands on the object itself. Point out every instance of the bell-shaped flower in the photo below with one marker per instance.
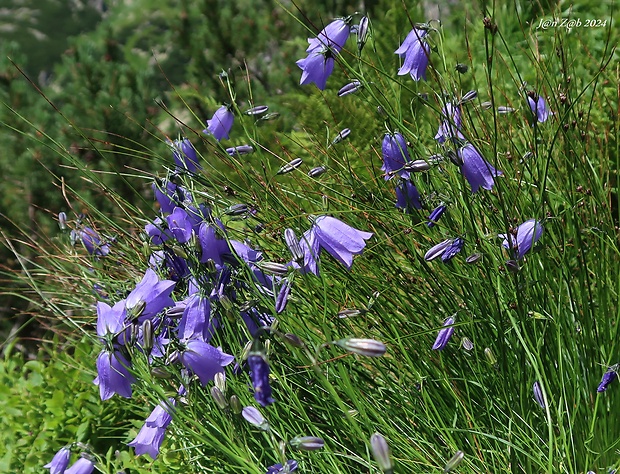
(185, 155)
(220, 124)
(149, 297)
(444, 335)
(333, 36)
(416, 52)
(478, 172)
(608, 378)
(539, 107)
(395, 155)
(180, 225)
(169, 195)
(212, 244)
(197, 322)
(151, 435)
(81, 466)
(92, 242)
(59, 462)
(407, 196)
(340, 240)
(113, 375)
(259, 373)
(435, 215)
(204, 360)
(526, 236)
(451, 123)
(288, 467)
(110, 320)
(317, 67)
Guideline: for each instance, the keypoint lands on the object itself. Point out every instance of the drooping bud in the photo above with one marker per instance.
(147, 335)
(417, 166)
(316, 172)
(468, 97)
(341, 136)
(608, 378)
(365, 347)
(292, 242)
(436, 215)
(362, 33)
(454, 461)
(291, 166)
(235, 405)
(219, 398)
(488, 353)
(381, 453)
(240, 150)
(350, 88)
(258, 110)
(444, 335)
(467, 344)
(254, 417)
(273, 267)
(538, 395)
(437, 250)
(307, 443)
(62, 221)
(473, 258)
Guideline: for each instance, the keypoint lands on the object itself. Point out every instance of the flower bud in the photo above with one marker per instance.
(240, 150)
(417, 166)
(293, 245)
(486, 105)
(254, 417)
(307, 443)
(147, 335)
(488, 353)
(316, 172)
(235, 405)
(258, 110)
(469, 96)
(437, 250)
(220, 381)
(350, 88)
(341, 136)
(467, 344)
(365, 347)
(473, 258)
(454, 461)
(293, 340)
(608, 378)
(444, 335)
(381, 453)
(218, 396)
(237, 210)
(505, 110)
(349, 313)
(160, 373)
(271, 116)
(362, 33)
(436, 215)
(538, 395)
(273, 267)
(291, 166)
(62, 221)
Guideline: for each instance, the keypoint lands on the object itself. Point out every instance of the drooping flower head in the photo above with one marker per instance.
(340, 240)
(333, 36)
(416, 51)
(444, 335)
(288, 467)
(478, 172)
(59, 462)
(395, 155)
(113, 375)
(538, 106)
(151, 435)
(407, 196)
(204, 360)
(92, 241)
(185, 156)
(451, 123)
(220, 124)
(526, 236)
(259, 373)
(149, 297)
(435, 215)
(608, 378)
(317, 67)
(81, 466)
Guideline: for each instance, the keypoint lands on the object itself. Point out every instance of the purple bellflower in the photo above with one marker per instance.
(157, 231)
(416, 51)
(196, 322)
(149, 297)
(60, 461)
(436, 215)
(608, 378)
(395, 155)
(450, 126)
(170, 195)
(282, 297)
(179, 225)
(538, 106)
(92, 242)
(204, 360)
(444, 335)
(317, 67)
(478, 172)
(288, 467)
(526, 236)
(220, 124)
(333, 36)
(407, 196)
(538, 395)
(451, 250)
(151, 435)
(259, 373)
(184, 155)
(81, 466)
(340, 240)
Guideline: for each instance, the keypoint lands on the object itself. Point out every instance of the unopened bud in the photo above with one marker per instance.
(254, 417)
(454, 461)
(220, 381)
(350, 88)
(349, 313)
(240, 150)
(381, 453)
(147, 335)
(469, 96)
(273, 267)
(341, 136)
(316, 172)
(258, 110)
(62, 221)
(467, 344)
(291, 166)
(473, 258)
(417, 166)
(505, 110)
(293, 245)
(437, 250)
(179, 251)
(219, 398)
(365, 347)
(271, 116)
(362, 33)
(235, 405)
(307, 443)
(488, 353)
(293, 340)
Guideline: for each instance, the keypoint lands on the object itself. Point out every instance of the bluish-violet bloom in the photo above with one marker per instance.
(212, 244)
(340, 240)
(444, 335)
(538, 395)
(478, 172)
(316, 67)
(81, 466)
(436, 215)
(245, 252)
(288, 467)
(220, 124)
(416, 51)
(151, 435)
(608, 378)
(59, 462)
(255, 417)
(282, 298)
(437, 250)
(185, 155)
(169, 195)
(196, 322)
(204, 360)
(333, 36)
(407, 196)
(259, 373)
(179, 225)
(451, 250)
(526, 236)
(255, 319)
(395, 155)
(157, 231)
(92, 242)
(450, 127)
(539, 107)
(149, 297)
